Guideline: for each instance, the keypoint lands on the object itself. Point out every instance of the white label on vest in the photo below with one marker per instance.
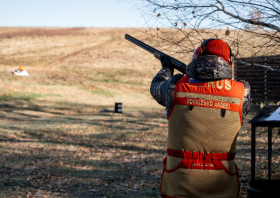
(202, 165)
(220, 84)
(208, 103)
(228, 85)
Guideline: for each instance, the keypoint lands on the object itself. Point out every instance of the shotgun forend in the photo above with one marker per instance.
(178, 65)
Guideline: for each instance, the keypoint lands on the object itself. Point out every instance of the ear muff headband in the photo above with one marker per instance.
(207, 40)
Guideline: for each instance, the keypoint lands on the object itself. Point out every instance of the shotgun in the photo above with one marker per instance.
(178, 65)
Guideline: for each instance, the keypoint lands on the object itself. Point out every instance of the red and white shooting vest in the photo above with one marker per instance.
(202, 130)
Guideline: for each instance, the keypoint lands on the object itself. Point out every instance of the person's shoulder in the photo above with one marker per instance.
(244, 82)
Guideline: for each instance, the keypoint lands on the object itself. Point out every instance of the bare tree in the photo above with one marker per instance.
(250, 27)
(254, 25)
(255, 15)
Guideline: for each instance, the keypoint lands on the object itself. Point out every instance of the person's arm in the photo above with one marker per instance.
(247, 98)
(163, 85)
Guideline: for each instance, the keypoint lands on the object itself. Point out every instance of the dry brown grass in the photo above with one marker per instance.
(39, 32)
(110, 59)
(54, 139)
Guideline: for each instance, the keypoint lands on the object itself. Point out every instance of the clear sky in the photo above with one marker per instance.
(71, 13)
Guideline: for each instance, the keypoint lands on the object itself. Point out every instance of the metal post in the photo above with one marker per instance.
(253, 153)
(269, 152)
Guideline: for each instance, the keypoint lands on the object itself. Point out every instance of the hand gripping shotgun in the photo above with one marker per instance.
(177, 64)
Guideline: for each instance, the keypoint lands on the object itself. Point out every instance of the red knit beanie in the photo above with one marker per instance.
(218, 48)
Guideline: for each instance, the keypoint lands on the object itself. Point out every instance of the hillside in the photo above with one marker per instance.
(98, 65)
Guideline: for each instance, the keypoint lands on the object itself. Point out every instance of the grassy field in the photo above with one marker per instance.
(56, 138)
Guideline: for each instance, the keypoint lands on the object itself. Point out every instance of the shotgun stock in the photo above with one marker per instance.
(178, 65)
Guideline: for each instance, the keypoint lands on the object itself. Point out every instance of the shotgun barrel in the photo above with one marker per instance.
(178, 65)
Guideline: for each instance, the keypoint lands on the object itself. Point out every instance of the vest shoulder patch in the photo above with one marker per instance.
(197, 83)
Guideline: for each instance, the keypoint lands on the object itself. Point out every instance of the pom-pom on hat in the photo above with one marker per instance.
(218, 48)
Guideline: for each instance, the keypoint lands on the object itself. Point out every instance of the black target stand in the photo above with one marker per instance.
(268, 117)
(118, 108)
